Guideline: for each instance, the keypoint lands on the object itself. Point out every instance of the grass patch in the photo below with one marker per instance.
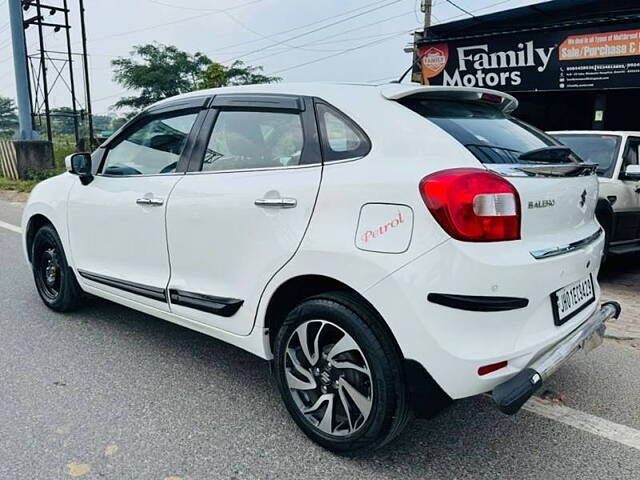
(17, 185)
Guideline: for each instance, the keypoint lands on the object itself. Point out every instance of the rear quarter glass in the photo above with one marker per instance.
(492, 136)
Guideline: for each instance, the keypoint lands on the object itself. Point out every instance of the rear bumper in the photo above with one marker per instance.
(512, 394)
(451, 342)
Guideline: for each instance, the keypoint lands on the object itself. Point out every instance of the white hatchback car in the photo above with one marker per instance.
(617, 155)
(387, 247)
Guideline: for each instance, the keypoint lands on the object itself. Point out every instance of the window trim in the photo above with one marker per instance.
(311, 155)
(147, 116)
(324, 142)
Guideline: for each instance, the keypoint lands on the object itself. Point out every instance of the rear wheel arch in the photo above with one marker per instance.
(293, 291)
(426, 397)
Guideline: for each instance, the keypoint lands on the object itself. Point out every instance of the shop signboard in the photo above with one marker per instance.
(593, 58)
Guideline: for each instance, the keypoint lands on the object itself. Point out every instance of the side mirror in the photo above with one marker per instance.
(632, 172)
(80, 164)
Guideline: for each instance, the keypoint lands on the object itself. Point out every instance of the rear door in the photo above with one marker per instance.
(241, 211)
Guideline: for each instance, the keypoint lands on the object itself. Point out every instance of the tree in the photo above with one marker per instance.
(163, 71)
(8, 117)
(217, 75)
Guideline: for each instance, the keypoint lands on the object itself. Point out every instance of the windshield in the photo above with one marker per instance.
(594, 148)
(489, 134)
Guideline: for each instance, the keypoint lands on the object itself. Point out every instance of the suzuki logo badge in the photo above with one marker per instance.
(583, 198)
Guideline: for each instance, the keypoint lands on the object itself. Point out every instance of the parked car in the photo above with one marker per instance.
(618, 209)
(388, 248)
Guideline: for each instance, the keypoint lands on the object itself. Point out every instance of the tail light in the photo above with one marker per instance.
(473, 205)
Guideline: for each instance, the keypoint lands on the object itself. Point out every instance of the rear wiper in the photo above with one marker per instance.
(553, 154)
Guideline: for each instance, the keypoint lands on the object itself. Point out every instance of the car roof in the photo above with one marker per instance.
(346, 93)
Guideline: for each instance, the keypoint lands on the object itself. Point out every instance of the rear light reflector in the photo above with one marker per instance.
(487, 369)
(473, 205)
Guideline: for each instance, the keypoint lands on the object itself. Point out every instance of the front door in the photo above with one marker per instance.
(117, 222)
(241, 214)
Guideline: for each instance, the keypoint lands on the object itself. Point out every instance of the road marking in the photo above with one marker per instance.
(8, 226)
(584, 421)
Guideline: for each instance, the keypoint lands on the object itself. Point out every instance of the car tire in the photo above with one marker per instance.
(55, 281)
(347, 349)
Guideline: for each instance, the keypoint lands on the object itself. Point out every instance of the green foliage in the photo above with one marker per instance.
(163, 71)
(102, 122)
(17, 185)
(8, 118)
(217, 75)
(118, 122)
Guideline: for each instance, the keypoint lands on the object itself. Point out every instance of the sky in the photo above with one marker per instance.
(298, 40)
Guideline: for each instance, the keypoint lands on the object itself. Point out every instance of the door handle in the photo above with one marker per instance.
(276, 202)
(154, 202)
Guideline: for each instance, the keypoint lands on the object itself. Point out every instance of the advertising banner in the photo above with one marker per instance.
(582, 59)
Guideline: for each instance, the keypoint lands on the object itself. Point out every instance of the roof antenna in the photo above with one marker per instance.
(415, 63)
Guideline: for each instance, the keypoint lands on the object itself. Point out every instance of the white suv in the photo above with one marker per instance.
(618, 210)
(387, 247)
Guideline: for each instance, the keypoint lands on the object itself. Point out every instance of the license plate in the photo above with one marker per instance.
(572, 299)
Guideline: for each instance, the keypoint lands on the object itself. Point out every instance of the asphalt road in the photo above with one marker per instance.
(110, 393)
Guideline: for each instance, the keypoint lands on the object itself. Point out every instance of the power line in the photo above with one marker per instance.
(338, 34)
(218, 10)
(300, 27)
(303, 34)
(460, 8)
(486, 7)
(368, 44)
(173, 22)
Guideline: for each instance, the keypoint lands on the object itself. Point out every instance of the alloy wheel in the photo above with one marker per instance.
(328, 377)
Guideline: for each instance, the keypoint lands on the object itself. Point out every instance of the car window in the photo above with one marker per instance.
(152, 148)
(594, 148)
(631, 152)
(341, 138)
(491, 135)
(254, 139)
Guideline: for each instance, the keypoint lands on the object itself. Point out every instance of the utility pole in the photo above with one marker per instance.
(25, 131)
(426, 6)
(87, 87)
(72, 84)
(43, 69)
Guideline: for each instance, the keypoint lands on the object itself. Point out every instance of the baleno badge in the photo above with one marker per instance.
(542, 203)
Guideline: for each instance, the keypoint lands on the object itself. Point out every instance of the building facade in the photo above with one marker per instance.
(572, 64)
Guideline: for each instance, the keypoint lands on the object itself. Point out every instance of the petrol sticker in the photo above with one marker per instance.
(384, 228)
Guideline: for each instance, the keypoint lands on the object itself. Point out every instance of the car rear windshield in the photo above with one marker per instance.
(489, 134)
(600, 149)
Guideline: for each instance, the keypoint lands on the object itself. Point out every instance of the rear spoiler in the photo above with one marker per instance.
(503, 101)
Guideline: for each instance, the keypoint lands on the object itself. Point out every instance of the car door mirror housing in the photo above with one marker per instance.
(80, 164)
(632, 172)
